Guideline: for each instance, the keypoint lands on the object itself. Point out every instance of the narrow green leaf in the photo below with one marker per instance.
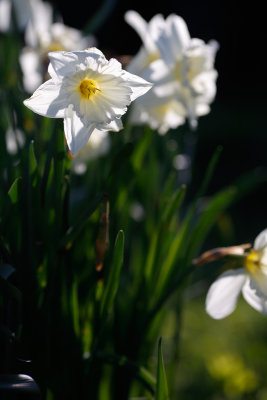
(32, 161)
(207, 219)
(173, 205)
(141, 148)
(14, 191)
(170, 210)
(174, 250)
(152, 252)
(75, 307)
(162, 386)
(209, 172)
(140, 372)
(184, 233)
(112, 284)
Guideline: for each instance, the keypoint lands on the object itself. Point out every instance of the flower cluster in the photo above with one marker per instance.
(180, 68)
(92, 93)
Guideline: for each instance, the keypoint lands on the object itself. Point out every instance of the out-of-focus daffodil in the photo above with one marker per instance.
(181, 69)
(88, 91)
(148, 32)
(5, 15)
(251, 280)
(22, 12)
(42, 36)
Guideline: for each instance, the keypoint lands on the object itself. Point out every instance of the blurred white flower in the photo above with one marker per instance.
(5, 15)
(22, 12)
(15, 139)
(181, 162)
(42, 36)
(88, 91)
(148, 32)
(98, 145)
(251, 281)
(137, 211)
(182, 71)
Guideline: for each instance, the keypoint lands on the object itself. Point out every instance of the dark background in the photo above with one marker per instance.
(238, 117)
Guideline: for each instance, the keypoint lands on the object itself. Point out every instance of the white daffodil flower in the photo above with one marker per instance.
(88, 91)
(251, 281)
(182, 72)
(42, 36)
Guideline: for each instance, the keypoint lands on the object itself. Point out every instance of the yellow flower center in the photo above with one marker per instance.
(88, 88)
(253, 261)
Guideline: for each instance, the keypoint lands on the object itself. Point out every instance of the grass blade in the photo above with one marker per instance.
(162, 386)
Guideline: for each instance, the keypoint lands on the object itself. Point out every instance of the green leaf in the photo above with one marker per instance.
(173, 205)
(140, 372)
(14, 191)
(209, 172)
(162, 386)
(141, 148)
(32, 163)
(172, 255)
(207, 219)
(75, 307)
(170, 210)
(152, 252)
(112, 284)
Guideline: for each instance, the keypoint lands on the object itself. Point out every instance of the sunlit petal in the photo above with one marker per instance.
(224, 292)
(254, 296)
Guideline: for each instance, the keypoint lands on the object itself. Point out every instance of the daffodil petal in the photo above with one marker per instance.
(146, 31)
(261, 241)
(77, 134)
(137, 22)
(179, 33)
(254, 297)
(173, 39)
(157, 72)
(115, 126)
(224, 292)
(61, 63)
(138, 85)
(48, 100)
